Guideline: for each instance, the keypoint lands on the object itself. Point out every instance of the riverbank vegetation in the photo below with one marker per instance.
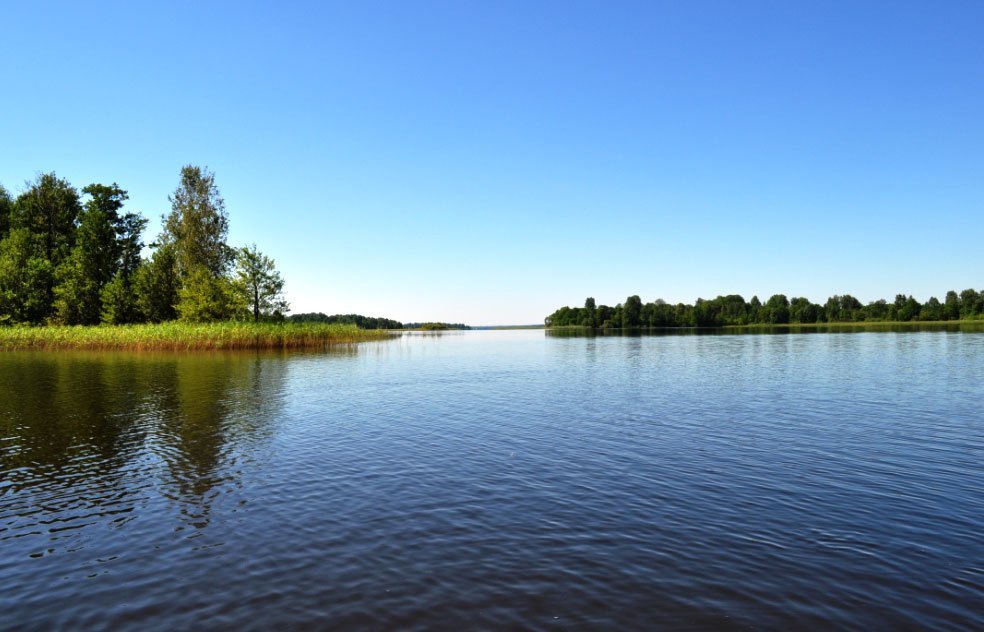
(733, 310)
(180, 336)
(70, 257)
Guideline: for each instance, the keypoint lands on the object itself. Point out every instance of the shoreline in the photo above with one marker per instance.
(840, 324)
(175, 336)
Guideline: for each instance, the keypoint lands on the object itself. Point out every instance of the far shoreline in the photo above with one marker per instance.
(761, 326)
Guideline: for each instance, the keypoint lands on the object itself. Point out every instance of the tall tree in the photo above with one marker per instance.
(262, 285)
(198, 224)
(25, 275)
(968, 303)
(119, 297)
(5, 203)
(156, 283)
(94, 259)
(588, 314)
(951, 306)
(632, 312)
(777, 308)
(932, 310)
(48, 210)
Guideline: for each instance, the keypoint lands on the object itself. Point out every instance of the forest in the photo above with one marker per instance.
(734, 310)
(75, 257)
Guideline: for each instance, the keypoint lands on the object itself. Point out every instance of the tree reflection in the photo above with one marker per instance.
(96, 432)
(212, 411)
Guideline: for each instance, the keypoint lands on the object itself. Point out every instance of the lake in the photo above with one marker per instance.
(494, 480)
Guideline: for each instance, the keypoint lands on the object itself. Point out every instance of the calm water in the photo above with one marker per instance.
(499, 480)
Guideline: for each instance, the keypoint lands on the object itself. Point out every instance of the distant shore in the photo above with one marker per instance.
(175, 336)
(872, 324)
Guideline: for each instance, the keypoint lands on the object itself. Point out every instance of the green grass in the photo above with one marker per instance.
(187, 336)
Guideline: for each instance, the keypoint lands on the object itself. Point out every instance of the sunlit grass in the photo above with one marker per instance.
(187, 336)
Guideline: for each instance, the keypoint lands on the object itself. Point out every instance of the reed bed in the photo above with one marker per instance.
(187, 336)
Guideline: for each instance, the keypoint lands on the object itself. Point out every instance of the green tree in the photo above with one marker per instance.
(205, 298)
(260, 283)
(48, 210)
(632, 312)
(907, 308)
(777, 309)
(932, 310)
(801, 310)
(76, 292)
(754, 310)
(733, 309)
(120, 305)
(119, 298)
(197, 225)
(156, 283)
(951, 306)
(969, 303)
(588, 315)
(6, 202)
(877, 310)
(25, 275)
(94, 259)
(704, 314)
(129, 243)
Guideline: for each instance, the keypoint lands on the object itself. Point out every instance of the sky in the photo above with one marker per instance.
(488, 162)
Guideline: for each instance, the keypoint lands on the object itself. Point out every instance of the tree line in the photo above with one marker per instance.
(369, 322)
(778, 310)
(360, 321)
(75, 257)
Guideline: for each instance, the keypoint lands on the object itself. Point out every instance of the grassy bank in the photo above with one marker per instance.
(186, 336)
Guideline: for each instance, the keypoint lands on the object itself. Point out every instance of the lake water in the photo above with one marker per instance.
(499, 480)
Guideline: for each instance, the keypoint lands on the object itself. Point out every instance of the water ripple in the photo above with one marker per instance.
(499, 480)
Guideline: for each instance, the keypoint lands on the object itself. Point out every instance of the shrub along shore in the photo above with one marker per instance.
(178, 336)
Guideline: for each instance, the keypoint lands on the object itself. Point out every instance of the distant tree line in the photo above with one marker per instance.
(369, 322)
(362, 322)
(435, 326)
(778, 310)
(75, 257)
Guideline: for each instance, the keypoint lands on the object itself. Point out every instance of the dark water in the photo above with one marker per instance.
(499, 480)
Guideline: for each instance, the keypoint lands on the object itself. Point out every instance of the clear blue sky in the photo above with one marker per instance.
(487, 162)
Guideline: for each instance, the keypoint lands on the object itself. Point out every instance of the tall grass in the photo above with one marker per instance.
(187, 336)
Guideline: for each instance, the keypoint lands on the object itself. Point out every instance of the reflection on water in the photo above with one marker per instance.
(125, 428)
(502, 480)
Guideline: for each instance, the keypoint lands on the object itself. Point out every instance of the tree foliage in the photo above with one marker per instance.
(360, 321)
(25, 278)
(94, 259)
(78, 260)
(6, 202)
(198, 224)
(157, 286)
(778, 310)
(260, 284)
(204, 297)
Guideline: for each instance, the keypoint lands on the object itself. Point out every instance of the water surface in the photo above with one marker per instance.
(499, 480)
